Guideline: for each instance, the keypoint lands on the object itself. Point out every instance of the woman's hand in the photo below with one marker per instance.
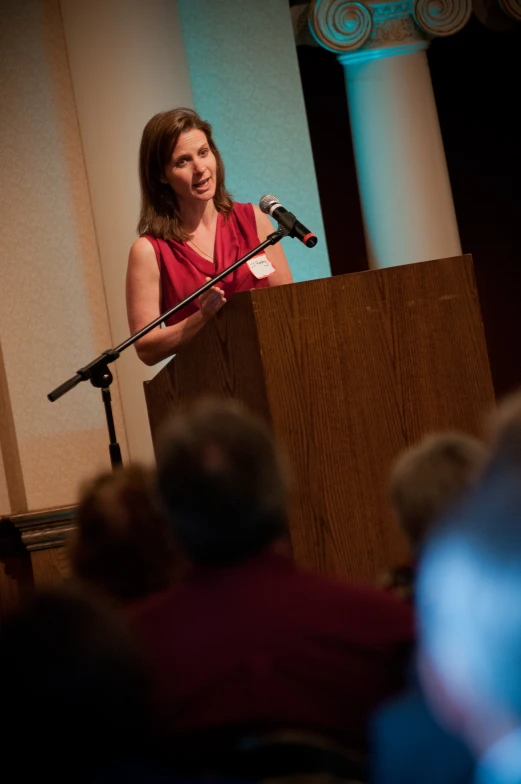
(144, 301)
(211, 301)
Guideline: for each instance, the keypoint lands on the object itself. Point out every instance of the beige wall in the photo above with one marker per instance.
(53, 315)
(68, 207)
(127, 62)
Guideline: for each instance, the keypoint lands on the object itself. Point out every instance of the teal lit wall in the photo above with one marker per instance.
(245, 80)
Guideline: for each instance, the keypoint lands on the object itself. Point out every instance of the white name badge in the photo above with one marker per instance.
(260, 266)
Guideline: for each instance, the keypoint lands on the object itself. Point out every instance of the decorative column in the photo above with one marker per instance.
(403, 181)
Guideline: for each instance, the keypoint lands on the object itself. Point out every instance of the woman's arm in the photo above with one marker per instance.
(274, 253)
(144, 305)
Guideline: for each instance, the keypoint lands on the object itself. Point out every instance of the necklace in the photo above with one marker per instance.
(201, 251)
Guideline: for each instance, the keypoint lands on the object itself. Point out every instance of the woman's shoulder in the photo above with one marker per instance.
(144, 242)
(251, 216)
(240, 208)
(245, 213)
(144, 247)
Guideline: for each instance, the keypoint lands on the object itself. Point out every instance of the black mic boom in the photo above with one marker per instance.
(270, 205)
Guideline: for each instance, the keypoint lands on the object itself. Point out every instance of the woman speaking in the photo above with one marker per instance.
(190, 230)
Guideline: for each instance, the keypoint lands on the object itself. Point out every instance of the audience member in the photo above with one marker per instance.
(74, 690)
(470, 614)
(409, 745)
(249, 642)
(408, 742)
(426, 480)
(505, 428)
(122, 545)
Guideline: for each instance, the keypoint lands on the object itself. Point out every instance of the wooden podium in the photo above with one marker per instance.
(348, 371)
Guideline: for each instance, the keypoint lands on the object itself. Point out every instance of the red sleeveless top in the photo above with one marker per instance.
(183, 270)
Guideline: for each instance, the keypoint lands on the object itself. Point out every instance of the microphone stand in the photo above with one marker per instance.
(97, 371)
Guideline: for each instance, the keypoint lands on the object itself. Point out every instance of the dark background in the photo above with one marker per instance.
(476, 76)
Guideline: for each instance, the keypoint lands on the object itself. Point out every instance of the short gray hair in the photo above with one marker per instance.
(428, 478)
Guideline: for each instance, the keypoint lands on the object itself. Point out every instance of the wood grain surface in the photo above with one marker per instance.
(348, 371)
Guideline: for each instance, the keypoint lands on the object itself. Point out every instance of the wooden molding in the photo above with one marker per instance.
(44, 529)
(9, 447)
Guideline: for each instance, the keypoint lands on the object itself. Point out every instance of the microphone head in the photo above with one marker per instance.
(267, 203)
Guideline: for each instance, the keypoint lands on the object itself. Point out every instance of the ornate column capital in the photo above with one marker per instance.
(512, 8)
(366, 29)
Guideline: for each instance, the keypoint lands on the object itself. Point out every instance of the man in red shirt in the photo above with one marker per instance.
(249, 640)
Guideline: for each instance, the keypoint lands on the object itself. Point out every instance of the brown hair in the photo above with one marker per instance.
(428, 478)
(122, 544)
(159, 214)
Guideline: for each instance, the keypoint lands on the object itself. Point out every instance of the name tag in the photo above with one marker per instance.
(260, 266)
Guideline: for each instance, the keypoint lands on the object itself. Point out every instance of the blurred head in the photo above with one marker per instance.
(160, 190)
(70, 665)
(505, 428)
(427, 479)
(122, 544)
(222, 483)
(469, 610)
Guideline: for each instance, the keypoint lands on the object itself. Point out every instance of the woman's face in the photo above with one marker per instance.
(192, 170)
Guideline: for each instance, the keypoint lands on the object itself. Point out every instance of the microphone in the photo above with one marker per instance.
(270, 206)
